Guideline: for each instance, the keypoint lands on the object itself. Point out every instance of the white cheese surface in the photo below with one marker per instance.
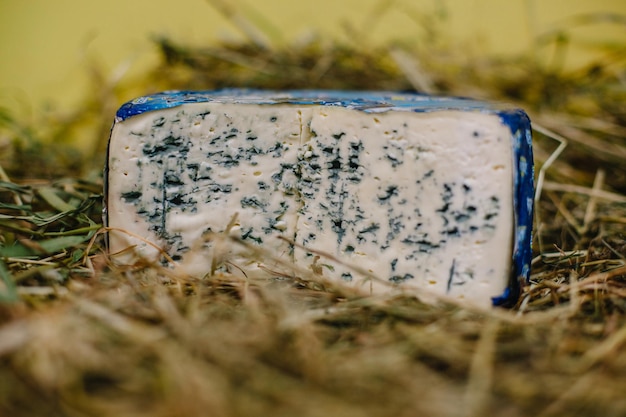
(420, 200)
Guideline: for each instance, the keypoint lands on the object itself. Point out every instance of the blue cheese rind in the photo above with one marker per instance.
(422, 192)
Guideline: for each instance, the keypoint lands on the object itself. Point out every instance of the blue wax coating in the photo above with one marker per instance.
(382, 101)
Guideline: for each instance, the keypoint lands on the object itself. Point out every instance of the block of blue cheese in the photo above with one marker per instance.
(421, 192)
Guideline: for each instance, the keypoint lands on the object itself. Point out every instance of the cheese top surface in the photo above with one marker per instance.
(366, 101)
(422, 192)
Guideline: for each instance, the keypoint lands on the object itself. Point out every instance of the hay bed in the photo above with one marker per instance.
(79, 336)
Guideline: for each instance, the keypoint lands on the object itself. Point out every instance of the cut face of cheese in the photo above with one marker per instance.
(180, 173)
(421, 192)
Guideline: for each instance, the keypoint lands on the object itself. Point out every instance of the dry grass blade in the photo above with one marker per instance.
(410, 67)
(479, 387)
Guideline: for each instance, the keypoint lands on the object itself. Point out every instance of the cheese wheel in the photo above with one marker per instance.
(421, 192)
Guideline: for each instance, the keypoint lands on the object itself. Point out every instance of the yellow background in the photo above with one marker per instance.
(46, 45)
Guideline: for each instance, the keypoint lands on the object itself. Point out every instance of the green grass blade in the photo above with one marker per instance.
(50, 196)
(9, 294)
(49, 246)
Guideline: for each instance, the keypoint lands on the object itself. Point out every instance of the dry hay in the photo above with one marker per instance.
(80, 336)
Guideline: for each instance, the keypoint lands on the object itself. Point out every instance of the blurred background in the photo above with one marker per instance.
(48, 47)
